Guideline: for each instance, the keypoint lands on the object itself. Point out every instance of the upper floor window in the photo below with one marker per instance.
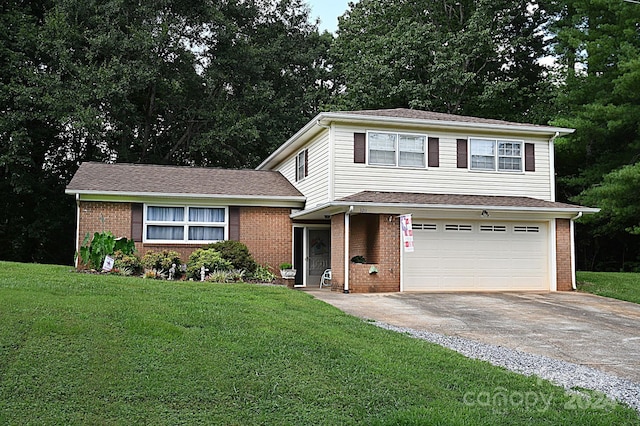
(185, 224)
(302, 168)
(397, 149)
(496, 155)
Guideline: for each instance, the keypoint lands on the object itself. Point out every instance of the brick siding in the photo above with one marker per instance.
(376, 239)
(564, 272)
(337, 252)
(380, 239)
(266, 231)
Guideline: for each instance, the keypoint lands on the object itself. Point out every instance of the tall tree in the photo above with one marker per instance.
(599, 45)
(196, 82)
(474, 57)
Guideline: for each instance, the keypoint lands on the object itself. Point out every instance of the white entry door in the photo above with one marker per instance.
(477, 256)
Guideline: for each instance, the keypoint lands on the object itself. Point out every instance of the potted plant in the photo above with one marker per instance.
(286, 271)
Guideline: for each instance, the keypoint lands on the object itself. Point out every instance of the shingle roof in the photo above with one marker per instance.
(154, 179)
(453, 200)
(434, 116)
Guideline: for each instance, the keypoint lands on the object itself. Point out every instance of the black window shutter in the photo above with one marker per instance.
(136, 222)
(434, 152)
(359, 148)
(234, 223)
(529, 157)
(306, 162)
(462, 153)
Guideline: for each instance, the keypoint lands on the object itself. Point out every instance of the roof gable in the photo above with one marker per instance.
(148, 179)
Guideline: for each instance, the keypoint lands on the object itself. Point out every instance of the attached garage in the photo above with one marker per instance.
(477, 256)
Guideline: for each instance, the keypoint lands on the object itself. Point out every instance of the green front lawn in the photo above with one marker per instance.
(617, 285)
(89, 349)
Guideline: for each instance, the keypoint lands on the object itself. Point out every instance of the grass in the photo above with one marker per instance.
(92, 349)
(617, 285)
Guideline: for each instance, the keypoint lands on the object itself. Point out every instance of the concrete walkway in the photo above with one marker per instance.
(580, 328)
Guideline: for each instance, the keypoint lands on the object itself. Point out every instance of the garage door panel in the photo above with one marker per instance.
(513, 258)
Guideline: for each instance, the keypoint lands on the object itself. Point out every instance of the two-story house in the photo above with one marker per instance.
(480, 194)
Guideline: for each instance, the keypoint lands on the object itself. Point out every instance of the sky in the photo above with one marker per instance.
(328, 12)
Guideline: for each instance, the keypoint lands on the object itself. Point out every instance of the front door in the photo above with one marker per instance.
(318, 255)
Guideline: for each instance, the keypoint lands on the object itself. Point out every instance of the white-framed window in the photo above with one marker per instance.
(397, 149)
(496, 155)
(185, 224)
(301, 165)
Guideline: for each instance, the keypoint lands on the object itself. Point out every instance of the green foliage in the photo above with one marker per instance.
(221, 276)
(210, 259)
(598, 47)
(171, 82)
(619, 198)
(286, 265)
(237, 253)
(162, 260)
(93, 252)
(263, 274)
(127, 262)
(479, 58)
(109, 350)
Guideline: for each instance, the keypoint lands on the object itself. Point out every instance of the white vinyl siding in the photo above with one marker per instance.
(350, 178)
(315, 186)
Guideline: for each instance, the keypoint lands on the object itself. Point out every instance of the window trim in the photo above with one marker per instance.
(496, 155)
(302, 154)
(185, 223)
(396, 165)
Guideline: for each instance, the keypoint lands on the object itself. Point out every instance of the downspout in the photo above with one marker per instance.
(346, 249)
(77, 230)
(573, 250)
(552, 166)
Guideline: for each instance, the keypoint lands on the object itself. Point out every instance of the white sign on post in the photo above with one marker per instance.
(108, 264)
(407, 232)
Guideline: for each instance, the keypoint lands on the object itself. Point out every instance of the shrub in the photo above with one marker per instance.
(263, 274)
(286, 265)
(237, 253)
(162, 261)
(128, 264)
(103, 244)
(210, 259)
(233, 276)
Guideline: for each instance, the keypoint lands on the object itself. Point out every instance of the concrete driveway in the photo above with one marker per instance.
(580, 328)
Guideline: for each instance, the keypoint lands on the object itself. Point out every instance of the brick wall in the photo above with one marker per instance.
(99, 217)
(337, 252)
(266, 231)
(564, 273)
(381, 237)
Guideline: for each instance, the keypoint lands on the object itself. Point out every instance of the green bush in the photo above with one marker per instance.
(92, 253)
(263, 274)
(162, 261)
(210, 259)
(128, 264)
(233, 276)
(237, 253)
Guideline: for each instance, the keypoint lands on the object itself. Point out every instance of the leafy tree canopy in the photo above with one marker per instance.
(473, 57)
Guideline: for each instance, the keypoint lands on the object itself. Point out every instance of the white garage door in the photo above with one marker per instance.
(477, 256)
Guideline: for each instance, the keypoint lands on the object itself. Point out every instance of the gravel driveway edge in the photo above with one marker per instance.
(568, 375)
